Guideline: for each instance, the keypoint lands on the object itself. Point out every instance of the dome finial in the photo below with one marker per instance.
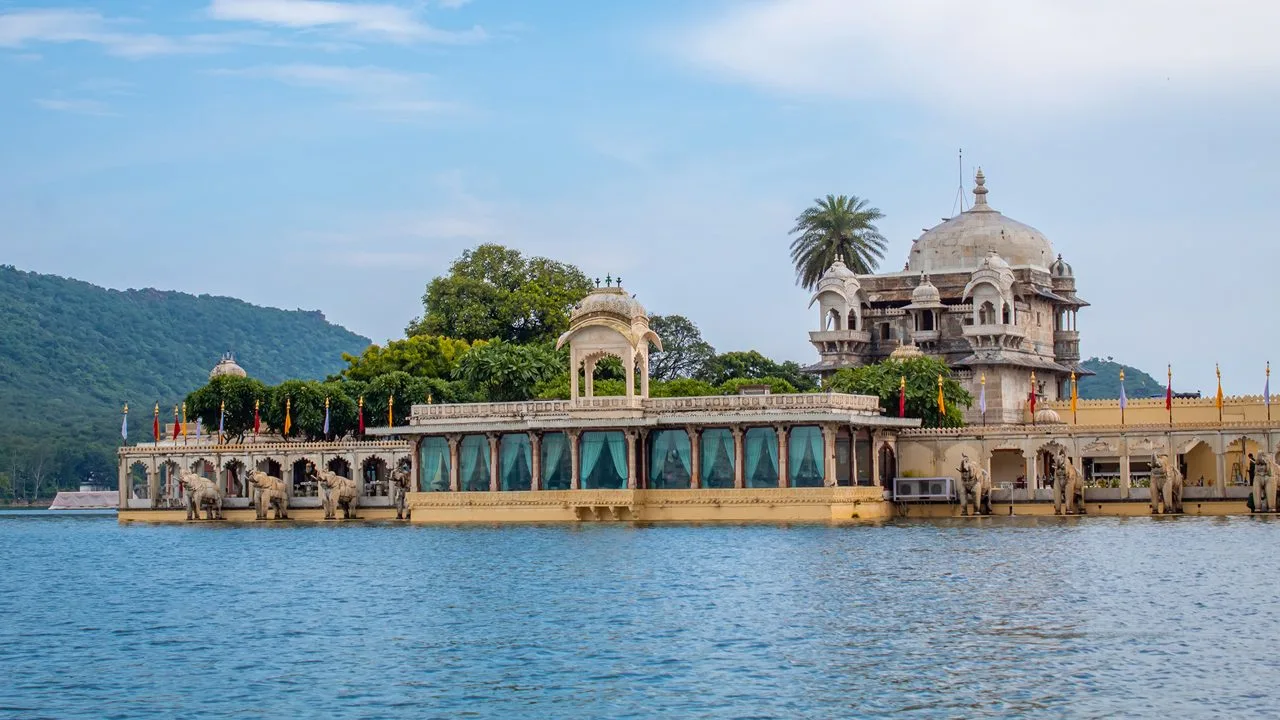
(980, 189)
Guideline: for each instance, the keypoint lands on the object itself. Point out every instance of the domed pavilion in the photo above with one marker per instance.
(981, 291)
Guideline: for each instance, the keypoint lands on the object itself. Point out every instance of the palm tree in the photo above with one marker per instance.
(836, 226)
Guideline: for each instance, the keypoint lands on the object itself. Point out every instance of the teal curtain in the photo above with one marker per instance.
(604, 460)
(433, 465)
(618, 449)
(717, 458)
(669, 459)
(804, 449)
(474, 462)
(556, 462)
(760, 447)
(515, 468)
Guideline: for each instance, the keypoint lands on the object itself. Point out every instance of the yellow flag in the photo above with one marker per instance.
(391, 404)
(1074, 395)
(1218, 400)
(288, 412)
(942, 403)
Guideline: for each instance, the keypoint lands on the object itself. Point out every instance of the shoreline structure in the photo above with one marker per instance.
(980, 291)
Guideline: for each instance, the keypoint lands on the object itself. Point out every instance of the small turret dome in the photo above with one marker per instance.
(1060, 268)
(609, 301)
(227, 367)
(838, 270)
(925, 293)
(1048, 416)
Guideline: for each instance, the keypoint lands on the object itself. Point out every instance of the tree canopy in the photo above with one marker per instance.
(884, 380)
(420, 356)
(502, 371)
(836, 226)
(495, 292)
(750, 364)
(684, 353)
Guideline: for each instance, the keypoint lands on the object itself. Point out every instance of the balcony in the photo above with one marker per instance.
(994, 335)
(848, 336)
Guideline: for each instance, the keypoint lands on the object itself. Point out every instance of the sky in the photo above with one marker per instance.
(338, 155)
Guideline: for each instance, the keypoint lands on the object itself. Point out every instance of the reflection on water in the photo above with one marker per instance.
(1079, 617)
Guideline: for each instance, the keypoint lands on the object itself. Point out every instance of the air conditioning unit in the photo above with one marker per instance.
(922, 489)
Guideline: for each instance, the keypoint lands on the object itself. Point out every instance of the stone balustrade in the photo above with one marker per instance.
(564, 409)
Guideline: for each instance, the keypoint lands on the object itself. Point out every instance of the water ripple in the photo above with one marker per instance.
(1020, 617)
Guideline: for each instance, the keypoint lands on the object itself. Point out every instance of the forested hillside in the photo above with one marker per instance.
(1106, 384)
(72, 353)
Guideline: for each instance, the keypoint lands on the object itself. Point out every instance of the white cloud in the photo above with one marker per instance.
(373, 88)
(389, 21)
(992, 54)
(76, 106)
(21, 28)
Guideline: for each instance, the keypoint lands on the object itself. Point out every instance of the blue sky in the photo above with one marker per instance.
(337, 155)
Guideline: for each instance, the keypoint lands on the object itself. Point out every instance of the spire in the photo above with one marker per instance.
(979, 190)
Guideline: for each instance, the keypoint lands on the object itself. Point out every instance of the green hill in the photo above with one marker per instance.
(1106, 384)
(72, 353)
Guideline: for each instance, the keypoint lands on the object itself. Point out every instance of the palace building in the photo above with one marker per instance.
(982, 291)
(985, 293)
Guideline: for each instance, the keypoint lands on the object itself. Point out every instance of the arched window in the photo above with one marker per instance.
(833, 320)
(1004, 315)
(986, 313)
(925, 320)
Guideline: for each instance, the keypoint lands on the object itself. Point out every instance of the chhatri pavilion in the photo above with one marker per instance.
(986, 294)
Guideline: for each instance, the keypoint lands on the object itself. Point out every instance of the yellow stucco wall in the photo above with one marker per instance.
(1151, 411)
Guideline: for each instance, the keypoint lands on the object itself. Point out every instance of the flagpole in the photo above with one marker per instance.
(1123, 399)
(1033, 397)
(1169, 395)
(124, 425)
(1075, 418)
(1217, 369)
(155, 425)
(184, 422)
(983, 381)
(1266, 392)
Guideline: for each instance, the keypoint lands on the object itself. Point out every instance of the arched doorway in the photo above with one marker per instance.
(1198, 464)
(888, 465)
(1009, 470)
(339, 466)
(139, 481)
(1047, 462)
(304, 485)
(234, 482)
(374, 477)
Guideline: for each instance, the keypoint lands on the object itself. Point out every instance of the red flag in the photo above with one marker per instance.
(1033, 402)
(361, 416)
(1168, 392)
(257, 419)
(155, 424)
(176, 424)
(902, 397)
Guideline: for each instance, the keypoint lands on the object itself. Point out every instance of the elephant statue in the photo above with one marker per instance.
(336, 491)
(1068, 487)
(975, 486)
(1166, 485)
(270, 493)
(201, 493)
(400, 490)
(1264, 484)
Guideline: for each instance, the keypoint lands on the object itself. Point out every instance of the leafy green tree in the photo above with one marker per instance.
(558, 388)
(420, 356)
(304, 402)
(776, 385)
(237, 395)
(883, 380)
(495, 292)
(406, 390)
(750, 364)
(503, 371)
(836, 226)
(684, 353)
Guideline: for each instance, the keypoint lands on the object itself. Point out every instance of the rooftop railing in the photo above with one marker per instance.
(790, 402)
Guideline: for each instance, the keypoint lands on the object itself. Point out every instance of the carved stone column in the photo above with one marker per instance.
(493, 461)
(633, 479)
(783, 440)
(415, 478)
(1032, 480)
(695, 470)
(574, 369)
(644, 375)
(875, 456)
(535, 454)
(642, 459)
(739, 475)
(575, 482)
(829, 455)
(455, 472)
(1220, 485)
(629, 370)
(853, 455)
(1126, 482)
(153, 486)
(122, 484)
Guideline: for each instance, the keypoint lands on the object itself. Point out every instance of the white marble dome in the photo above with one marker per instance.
(964, 241)
(610, 301)
(1047, 416)
(227, 367)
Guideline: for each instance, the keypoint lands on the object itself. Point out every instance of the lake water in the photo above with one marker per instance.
(1092, 617)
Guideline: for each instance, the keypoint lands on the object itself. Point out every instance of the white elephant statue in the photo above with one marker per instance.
(201, 493)
(1166, 486)
(975, 487)
(1265, 476)
(1068, 486)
